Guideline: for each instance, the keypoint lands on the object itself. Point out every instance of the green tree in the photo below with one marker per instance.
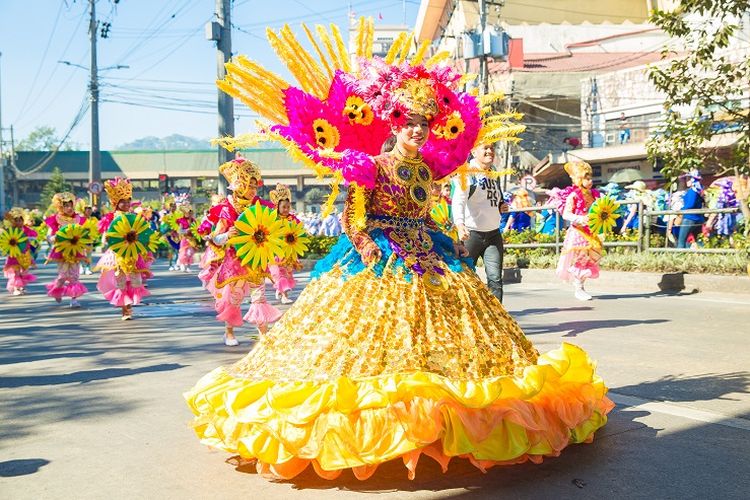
(44, 138)
(711, 78)
(55, 184)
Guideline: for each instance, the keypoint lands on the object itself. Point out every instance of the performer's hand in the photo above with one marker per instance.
(460, 249)
(504, 207)
(371, 254)
(232, 232)
(463, 233)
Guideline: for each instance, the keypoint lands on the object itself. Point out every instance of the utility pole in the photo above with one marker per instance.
(483, 73)
(2, 156)
(95, 157)
(225, 102)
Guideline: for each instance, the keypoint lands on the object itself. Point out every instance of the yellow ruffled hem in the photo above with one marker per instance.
(361, 423)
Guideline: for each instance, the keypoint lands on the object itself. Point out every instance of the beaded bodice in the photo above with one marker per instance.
(402, 188)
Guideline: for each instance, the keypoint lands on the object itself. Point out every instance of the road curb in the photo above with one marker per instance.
(664, 282)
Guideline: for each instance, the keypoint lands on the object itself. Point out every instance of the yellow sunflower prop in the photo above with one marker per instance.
(71, 241)
(13, 242)
(441, 214)
(603, 215)
(92, 225)
(260, 236)
(128, 236)
(154, 241)
(295, 240)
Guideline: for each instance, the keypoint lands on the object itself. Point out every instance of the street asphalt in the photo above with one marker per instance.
(92, 407)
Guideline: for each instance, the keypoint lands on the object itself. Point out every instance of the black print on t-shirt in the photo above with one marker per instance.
(488, 187)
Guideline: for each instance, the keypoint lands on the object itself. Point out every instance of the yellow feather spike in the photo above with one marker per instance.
(395, 48)
(328, 205)
(370, 37)
(322, 58)
(437, 58)
(467, 78)
(343, 54)
(266, 75)
(359, 219)
(326, 39)
(417, 59)
(361, 37)
(406, 48)
(319, 80)
(292, 61)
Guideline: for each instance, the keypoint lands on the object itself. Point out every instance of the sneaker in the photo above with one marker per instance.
(231, 342)
(171, 268)
(17, 291)
(74, 304)
(127, 317)
(286, 300)
(277, 295)
(581, 294)
(88, 272)
(188, 270)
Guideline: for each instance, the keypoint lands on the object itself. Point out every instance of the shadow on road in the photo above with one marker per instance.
(548, 310)
(682, 388)
(84, 376)
(21, 467)
(575, 328)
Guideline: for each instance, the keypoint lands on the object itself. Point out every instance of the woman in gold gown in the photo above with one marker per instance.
(396, 349)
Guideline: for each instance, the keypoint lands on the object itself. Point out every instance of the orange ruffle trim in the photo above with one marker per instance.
(361, 423)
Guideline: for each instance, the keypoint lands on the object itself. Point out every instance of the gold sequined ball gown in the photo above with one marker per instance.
(411, 356)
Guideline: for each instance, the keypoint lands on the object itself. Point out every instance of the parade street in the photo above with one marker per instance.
(92, 406)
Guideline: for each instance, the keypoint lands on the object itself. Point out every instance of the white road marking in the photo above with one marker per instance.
(680, 411)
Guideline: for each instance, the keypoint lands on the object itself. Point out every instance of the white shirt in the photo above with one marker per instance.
(481, 212)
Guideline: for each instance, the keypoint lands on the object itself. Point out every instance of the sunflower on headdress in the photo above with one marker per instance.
(128, 236)
(71, 241)
(603, 215)
(441, 214)
(13, 242)
(295, 240)
(260, 236)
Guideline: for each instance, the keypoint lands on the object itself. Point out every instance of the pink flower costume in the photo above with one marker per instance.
(16, 269)
(581, 249)
(187, 246)
(67, 282)
(282, 273)
(121, 280)
(223, 275)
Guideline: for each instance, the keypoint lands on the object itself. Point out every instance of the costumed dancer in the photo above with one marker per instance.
(184, 225)
(121, 279)
(168, 216)
(91, 223)
(581, 249)
(148, 215)
(15, 242)
(395, 349)
(282, 272)
(223, 275)
(67, 283)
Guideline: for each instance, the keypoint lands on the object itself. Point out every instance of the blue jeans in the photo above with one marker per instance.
(489, 246)
(687, 228)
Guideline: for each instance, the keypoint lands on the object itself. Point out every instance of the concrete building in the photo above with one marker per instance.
(188, 171)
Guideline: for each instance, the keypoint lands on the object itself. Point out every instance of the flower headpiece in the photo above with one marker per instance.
(168, 198)
(14, 213)
(341, 112)
(280, 193)
(239, 172)
(118, 189)
(183, 202)
(59, 198)
(577, 169)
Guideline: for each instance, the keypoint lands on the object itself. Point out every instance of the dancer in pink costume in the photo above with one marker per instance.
(121, 281)
(16, 269)
(67, 283)
(228, 281)
(581, 249)
(282, 273)
(187, 243)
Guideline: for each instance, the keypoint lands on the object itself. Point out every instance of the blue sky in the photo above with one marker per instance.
(172, 65)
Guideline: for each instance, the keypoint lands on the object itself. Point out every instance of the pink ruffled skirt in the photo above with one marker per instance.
(577, 261)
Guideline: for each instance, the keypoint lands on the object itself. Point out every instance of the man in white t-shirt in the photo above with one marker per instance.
(476, 214)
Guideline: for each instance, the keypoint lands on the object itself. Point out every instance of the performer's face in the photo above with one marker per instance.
(413, 134)
(123, 205)
(284, 207)
(485, 154)
(87, 211)
(586, 181)
(67, 208)
(18, 222)
(251, 189)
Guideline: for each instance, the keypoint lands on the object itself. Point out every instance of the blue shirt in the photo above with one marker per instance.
(691, 199)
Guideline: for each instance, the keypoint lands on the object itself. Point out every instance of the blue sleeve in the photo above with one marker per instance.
(691, 200)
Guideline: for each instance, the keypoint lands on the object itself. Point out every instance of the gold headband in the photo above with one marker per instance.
(118, 189)
(280, 193)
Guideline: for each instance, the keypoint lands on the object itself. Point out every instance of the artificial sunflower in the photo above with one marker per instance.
(453, 127)
(295, 240)
(93, 227)
(603, 214)
(260, 236)
(154, 241)
(71, 241)
(13, 242)
(326, 135)
(358, 111)
(441, 214)
(128, 236)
